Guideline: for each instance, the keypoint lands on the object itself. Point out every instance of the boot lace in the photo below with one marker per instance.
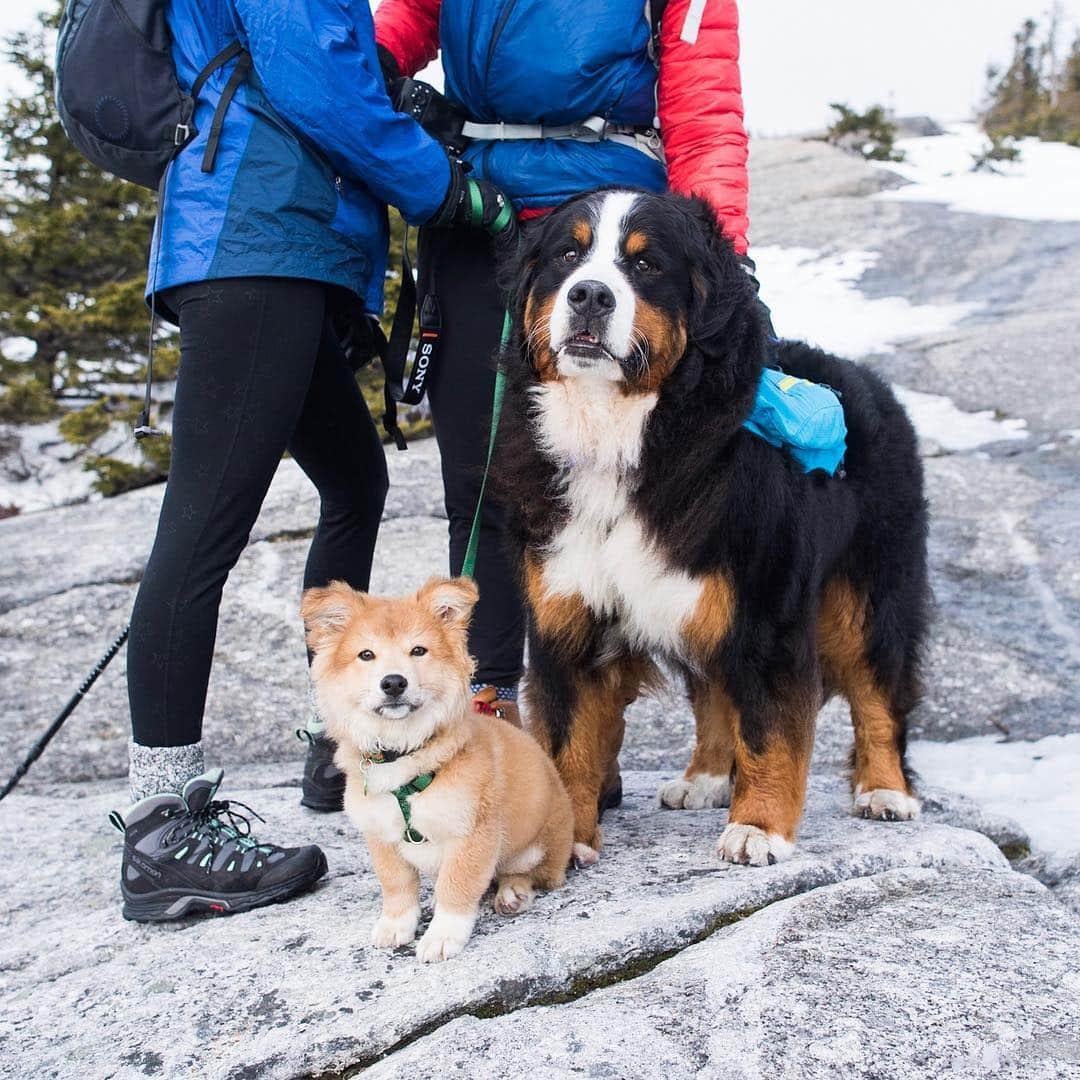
(220, 824)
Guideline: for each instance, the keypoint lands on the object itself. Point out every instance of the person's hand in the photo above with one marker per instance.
(750, 268)
(358, 332)
(473, 203)
(391, 71)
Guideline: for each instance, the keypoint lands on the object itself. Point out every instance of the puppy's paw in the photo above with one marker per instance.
(513, 897)
(885, 804)
(698, 793)
(445, 937)
(751, 846)
(585, 856)
(391, 931)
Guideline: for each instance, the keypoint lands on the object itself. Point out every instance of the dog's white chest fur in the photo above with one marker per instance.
(603, 553)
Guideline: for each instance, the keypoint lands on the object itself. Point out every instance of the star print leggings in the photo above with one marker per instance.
(261, 372)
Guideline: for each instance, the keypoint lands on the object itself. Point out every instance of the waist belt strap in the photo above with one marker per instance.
(591, 130)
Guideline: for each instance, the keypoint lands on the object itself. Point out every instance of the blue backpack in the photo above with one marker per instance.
(801, 417)
(117, 92)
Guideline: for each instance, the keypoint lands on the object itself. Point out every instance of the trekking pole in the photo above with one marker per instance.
(39, 747)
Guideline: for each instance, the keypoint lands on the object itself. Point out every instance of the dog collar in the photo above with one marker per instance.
(382, 757)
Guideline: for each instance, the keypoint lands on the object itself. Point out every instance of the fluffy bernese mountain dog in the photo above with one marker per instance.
(651, 528)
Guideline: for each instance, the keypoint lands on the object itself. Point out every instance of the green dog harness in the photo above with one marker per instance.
(402, 794)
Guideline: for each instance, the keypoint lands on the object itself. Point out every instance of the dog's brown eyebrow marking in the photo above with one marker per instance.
(636, 242)
(582, 232)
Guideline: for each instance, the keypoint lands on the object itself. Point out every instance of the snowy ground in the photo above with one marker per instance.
(1042, 185)
(1035, 783)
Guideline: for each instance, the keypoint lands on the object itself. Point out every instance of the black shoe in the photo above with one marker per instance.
(611, 796)
(190, 855)
(324, 782)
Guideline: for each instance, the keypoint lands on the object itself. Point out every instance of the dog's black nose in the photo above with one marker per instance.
(591, 298)
(393, 685)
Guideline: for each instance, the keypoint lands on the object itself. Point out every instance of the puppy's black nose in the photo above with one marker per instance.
(393, 685)
(591, 298)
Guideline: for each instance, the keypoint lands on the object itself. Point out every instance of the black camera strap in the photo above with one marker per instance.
(407, 376)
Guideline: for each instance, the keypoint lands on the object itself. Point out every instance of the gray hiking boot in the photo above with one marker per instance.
(191, 854)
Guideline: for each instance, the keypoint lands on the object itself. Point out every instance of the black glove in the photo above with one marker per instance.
(764, 313)
(391, 72)
(358, 332)
(474, 204)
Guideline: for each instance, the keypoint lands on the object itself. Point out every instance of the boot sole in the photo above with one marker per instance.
(171, 904)
(323, 806)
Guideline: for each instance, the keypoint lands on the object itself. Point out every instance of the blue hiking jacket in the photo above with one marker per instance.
(311, 151)
(529, 61)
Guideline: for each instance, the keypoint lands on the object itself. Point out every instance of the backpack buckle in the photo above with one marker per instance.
(182, 135)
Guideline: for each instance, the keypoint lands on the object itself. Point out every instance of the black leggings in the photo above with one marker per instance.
(460, 266)
(260, 372)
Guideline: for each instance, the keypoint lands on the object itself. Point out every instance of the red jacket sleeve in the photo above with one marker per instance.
(701, 111)
(410, 30)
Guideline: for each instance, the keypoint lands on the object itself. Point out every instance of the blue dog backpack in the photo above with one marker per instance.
(801, 417)
(117, 91)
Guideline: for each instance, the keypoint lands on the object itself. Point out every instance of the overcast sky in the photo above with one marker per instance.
(919, 56)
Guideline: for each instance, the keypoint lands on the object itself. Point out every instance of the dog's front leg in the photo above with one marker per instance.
(400, 896)
(466, 870)
(772, 761)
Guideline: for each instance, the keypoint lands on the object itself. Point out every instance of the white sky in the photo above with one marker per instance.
(919, 56)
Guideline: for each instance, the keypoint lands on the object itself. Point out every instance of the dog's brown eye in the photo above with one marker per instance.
(418, 650)
(643, 265)
(569, 256)
(366, 654)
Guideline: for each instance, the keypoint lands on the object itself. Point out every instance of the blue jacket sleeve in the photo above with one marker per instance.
(319, 68)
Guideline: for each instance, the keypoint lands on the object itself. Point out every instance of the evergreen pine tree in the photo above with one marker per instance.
(1019, 96)
(1066, 117)
(72, 261)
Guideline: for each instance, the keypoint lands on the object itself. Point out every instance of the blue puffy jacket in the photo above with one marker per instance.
(528, 61)
(310, 152)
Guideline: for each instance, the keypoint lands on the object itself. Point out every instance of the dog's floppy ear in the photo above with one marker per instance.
(723, 325)
(326, 613)
(451, 599)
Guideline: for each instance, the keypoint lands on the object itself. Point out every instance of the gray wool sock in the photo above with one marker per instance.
(316, 725)
(159, 770)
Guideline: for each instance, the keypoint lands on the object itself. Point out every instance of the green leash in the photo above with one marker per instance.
(468, 567)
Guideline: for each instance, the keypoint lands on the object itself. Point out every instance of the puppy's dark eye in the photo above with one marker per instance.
(366, 654)
(418, 650)
(643, 265)
(569, 256)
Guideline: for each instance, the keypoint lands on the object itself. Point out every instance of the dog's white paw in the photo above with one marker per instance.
(391, 931)
(585, 856)
(699, 793)
(445, 937)
(751, 846)
(512, 899)
(885, 804)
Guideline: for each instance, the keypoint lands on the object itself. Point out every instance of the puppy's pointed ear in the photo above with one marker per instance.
(327, 612)
(451, 599)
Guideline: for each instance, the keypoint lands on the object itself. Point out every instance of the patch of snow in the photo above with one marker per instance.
(40, 469)
(1032, 782)
(939, 419)
(814, 298)
(1043, 185)
(18, 349)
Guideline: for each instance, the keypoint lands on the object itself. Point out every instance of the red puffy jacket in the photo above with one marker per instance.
(699, 94)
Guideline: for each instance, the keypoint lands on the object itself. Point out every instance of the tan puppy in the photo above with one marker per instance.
(483, 800)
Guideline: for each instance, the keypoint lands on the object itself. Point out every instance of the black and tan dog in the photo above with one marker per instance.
(650, 525)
